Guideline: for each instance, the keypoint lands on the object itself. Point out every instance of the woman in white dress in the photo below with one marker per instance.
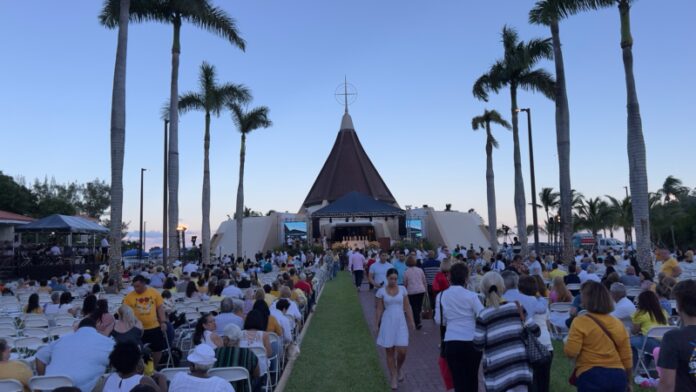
(393, 313)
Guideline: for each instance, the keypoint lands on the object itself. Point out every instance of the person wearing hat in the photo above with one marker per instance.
(230, 354)
(202, 359)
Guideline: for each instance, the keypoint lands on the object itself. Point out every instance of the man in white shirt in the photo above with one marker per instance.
(588, 274)
(378, 271)
(231, 312)
(54, 251)
(534, 265)
(189, 268)
(293, 310)
(278, 311)
(83, 356)
(232, 291)
(624, 308)
(202, 359)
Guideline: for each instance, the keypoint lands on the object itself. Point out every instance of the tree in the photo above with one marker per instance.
(549, 200)
(119, 9)
(15, 197)
(53, 198)
(95, 198)
(211, 99)
(516, 71)
(246, 122)
(623, 215)
(591, 215)
(550, 13)
(484, 121)
(204, 15)
(637, 161)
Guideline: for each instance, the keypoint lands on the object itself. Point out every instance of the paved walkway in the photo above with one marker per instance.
(421, 369)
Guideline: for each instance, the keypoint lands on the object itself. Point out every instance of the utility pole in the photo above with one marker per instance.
(532, 180)
(140, 240)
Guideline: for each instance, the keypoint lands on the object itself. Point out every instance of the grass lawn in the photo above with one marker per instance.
(338, 352)
(560, 371)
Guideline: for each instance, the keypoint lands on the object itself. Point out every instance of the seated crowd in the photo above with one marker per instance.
(154, 324)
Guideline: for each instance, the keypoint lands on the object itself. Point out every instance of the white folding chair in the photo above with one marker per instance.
(276, 360)
(7, 331)
(29, 343)
(58, 332)
(632, 292)
(262, 356)
(171, 372)
(573, 286)
(11, 385)
(232, 374)
(36, 323)
(208, 308)
(35, 333)
(558, 308)
(655, 333)
(49, 383)
(64, 321)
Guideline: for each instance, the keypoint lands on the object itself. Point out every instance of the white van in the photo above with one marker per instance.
(609, 244)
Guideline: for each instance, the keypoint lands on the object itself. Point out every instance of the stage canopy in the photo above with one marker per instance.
(62, 224)
(359, 205)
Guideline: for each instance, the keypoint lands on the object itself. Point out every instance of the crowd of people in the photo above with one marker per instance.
(497, 319)
(255, 321)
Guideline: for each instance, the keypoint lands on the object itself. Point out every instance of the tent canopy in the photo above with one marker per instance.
(357, 204)
(63, 224)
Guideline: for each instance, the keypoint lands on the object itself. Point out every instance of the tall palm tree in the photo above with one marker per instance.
(211, 99)
(550, 13)
(118, 134)
(482, 121)
(246, 122)
(637, 162)
(516, 71)
(204, 15)
(673, 190)
(623, 213)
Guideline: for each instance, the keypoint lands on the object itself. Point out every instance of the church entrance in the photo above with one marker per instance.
(354, 233)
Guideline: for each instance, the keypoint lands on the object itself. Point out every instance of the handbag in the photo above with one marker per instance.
(443, 329)
(572, 380)
(427, 312)
(537, 353)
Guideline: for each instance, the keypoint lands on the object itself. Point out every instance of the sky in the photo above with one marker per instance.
(413, 65)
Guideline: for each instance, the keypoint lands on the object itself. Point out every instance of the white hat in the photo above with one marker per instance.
(202, 355)
(232, 331)
(176, 263)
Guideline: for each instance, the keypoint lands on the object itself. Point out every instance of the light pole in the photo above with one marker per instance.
(140, 241)
(532, 178)
(164, 198)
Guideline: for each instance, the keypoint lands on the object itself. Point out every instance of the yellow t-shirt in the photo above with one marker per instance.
(16, 370)
(590, 346)
(145, 306)
(646, 322)
(668, 267)
(557, 272)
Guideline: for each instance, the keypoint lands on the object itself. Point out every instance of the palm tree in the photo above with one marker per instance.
(246, 122)
(550, 13)
(623, 214)
(202, 14)
(673, 190)
(549, 200)
(516, 71)
(211, 99)
(592, 215)
(482, 121)
(118, 135)
(635, 141)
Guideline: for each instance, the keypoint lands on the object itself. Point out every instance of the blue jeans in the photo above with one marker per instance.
(599, 379)
(637, 345)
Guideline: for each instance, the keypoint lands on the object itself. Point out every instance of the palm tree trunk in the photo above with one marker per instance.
(174, 148)
(490, 190)
(118, 142)
(636, 147)
(520, 203)
(563, 145)
(240, 197)
(205, 225)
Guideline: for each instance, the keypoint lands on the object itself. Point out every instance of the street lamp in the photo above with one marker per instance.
(181, 229)
(140, 241)
(165, 204)
(532, 177)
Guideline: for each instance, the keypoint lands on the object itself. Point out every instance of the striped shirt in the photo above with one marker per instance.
(431, 267)
(504, 359)
(237, 356)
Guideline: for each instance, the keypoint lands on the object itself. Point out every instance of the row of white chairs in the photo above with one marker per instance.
(37, 383)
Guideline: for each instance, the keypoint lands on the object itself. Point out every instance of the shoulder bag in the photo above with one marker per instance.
(572, 380)
(537, 353)
(443, 327)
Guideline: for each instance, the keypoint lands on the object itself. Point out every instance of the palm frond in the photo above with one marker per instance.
(492, 140)
(496, 118)
(164, 111)
(236, 92)
(191, 101)
(539, 80)
(538, 49)
(216, 20)
(478, 122)
(492, 81)
(140, 11)
(546, 11)
(509, 38)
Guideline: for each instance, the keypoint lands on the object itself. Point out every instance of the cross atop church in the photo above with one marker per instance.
(346, 98)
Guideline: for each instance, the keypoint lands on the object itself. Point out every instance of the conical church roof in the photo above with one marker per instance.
(347, 169)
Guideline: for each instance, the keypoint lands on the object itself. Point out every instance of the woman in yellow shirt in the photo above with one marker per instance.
(649, 314)
(33, 305)
(599, 344)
